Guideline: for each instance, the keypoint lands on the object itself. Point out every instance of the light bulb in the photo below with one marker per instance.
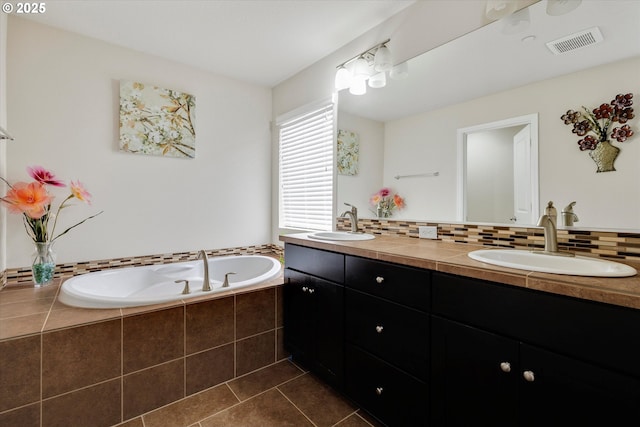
(358, 86)
(382, 60)
(361, 69)
(343, 78)
(400, 71)
(378, 80)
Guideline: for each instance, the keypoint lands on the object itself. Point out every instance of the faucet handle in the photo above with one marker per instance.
(186, 290)
(225, 284)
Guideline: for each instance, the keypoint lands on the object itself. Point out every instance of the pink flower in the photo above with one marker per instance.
(79, 192)
(30, 199)
(375, 199)
(384, 192)
(43, 176)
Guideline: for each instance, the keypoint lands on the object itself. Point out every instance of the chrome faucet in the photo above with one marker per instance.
(206, 285)
(353, 214)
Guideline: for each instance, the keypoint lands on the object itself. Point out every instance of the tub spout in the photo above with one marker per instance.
(206, 285)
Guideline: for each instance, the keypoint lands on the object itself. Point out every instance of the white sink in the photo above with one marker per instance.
(537, 261)
(341, 235)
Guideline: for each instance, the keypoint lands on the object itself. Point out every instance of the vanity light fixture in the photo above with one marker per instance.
(368, 68)
(498, 9)
(5, 135)
(561, 7)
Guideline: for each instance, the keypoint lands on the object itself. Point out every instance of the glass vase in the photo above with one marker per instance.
(43, 265)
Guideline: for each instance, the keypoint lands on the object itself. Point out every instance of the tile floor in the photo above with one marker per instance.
(279, 395)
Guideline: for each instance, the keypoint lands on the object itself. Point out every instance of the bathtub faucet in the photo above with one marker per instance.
(206, 285)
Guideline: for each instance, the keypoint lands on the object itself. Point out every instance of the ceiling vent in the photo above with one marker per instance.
(575, 41)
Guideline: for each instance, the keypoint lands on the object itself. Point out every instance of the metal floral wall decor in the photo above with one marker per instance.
(348, 152)
(156, 121)
(594, 126)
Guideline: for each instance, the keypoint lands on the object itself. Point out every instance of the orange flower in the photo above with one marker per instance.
(399, 201)
(31, 199)
(79, 192)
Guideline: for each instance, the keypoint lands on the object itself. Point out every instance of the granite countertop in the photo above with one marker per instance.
(452, 258)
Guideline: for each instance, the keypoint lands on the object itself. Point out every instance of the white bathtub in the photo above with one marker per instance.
(153, 284)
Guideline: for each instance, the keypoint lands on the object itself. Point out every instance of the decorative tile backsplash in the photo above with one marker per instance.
(18, 276)
(612, 244)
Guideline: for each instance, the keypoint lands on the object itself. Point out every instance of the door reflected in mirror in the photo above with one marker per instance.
(498, 172)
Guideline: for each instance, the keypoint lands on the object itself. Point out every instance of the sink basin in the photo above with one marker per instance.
(341, 235)
(538, 261)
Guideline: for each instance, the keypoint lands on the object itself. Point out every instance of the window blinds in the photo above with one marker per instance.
(306, 169)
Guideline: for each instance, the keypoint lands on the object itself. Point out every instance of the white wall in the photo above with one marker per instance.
(427, 142)
(357, 189)
(418, 28)
(63, 96)
(3, 150)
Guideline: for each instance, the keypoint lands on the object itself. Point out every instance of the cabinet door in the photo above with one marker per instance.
(314, 324)
(474, 377)
(394, 397)
(561, 391)
(395, 333)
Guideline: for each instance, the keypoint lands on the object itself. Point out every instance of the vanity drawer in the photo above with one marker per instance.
(391, 395)
(405, 285)
(324, 264)
(393, 332)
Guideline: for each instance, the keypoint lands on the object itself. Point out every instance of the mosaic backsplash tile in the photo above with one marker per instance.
(611, 244)
(18, 276)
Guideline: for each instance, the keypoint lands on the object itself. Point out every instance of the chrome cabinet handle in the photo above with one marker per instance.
(379, 279)
(505, 366)
(529, 376)
(379, 329)
(305, 289)
(311, 290)
(379, 390)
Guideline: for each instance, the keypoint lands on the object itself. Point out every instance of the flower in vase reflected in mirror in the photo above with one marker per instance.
(595, 125)
(385, 202)
(33, 201)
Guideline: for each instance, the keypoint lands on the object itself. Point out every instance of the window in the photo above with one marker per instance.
(306, 168)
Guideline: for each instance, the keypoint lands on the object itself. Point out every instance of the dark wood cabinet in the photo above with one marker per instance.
(314, 318)
(496, 378)
(420, 348)
(387, 340)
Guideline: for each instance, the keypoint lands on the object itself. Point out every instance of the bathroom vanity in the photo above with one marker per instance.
(418, 334)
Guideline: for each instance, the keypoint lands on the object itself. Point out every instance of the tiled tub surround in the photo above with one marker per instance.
(68, 366)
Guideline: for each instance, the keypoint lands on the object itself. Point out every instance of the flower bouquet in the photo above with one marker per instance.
(34, 202)
(385, 202)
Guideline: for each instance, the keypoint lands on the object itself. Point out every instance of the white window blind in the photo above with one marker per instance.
(306, 169)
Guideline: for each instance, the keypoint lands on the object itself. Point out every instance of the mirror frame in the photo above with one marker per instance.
(461, 186)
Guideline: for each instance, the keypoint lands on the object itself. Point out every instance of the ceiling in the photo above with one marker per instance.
(257, 41)
(487, 61)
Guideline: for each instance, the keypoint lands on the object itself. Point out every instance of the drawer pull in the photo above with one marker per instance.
(379, 279)
(305, 289)
(379, 329)
(311, 290)
(529, 376)
(379, 390)
(505, 366)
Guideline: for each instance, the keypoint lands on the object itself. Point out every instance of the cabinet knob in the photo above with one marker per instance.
(379, 279)
(379, 329)
(311, 290)
(529, 376)
(305, 289)
(505, 366)
(379, 390)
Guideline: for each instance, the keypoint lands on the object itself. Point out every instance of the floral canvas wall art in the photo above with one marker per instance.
(348, 152)
(156, 121)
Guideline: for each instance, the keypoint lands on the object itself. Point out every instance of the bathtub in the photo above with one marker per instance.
(153, 284)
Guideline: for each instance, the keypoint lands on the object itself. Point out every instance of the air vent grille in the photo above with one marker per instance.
(575, 41)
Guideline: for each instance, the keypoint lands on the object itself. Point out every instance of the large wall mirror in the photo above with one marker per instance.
(410, 129)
